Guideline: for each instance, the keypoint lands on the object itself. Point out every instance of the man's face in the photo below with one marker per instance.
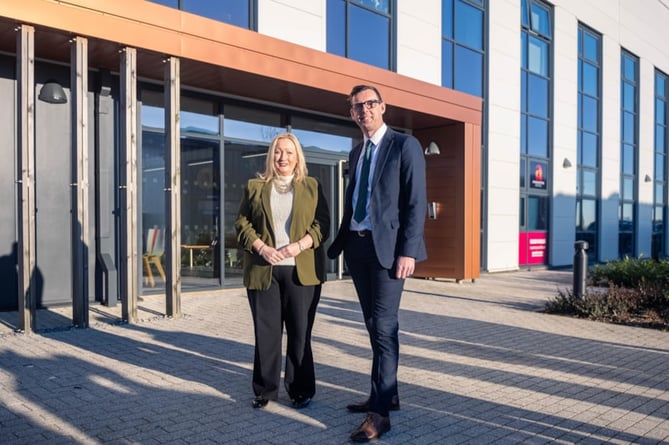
(367, 111)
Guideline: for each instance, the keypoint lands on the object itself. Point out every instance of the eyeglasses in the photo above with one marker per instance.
(367, 105)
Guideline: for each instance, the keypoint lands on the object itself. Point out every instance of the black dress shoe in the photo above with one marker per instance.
(300, 402)
(259, 402)
(365, 406)
(374, 426)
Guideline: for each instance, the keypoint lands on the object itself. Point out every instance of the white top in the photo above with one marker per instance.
(282, 210)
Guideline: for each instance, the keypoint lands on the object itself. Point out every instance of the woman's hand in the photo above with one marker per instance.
(271, 255)
(290, 250)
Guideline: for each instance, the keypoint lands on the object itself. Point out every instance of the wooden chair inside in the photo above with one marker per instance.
(155, 246)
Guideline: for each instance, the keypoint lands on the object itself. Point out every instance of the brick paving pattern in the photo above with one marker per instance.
(479, 363)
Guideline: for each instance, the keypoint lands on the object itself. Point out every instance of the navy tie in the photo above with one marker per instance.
(361, 206)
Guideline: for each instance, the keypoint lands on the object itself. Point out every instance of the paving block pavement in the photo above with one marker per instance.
(479, 363)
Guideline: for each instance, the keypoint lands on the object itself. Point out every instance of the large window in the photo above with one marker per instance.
(659, 248)
(589, 138)
(223, 145)
(536, 129)
(629, 122)
(200, 192)
(362, 30)
(462, 45)
(235, 12)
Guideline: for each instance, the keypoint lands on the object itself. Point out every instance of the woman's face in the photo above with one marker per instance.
(285, 157)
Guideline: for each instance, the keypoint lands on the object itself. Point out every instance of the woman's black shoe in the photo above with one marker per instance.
(300, 402)
(259, 402)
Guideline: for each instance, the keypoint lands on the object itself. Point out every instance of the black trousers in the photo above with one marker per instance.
(286, 303)
(379, 294)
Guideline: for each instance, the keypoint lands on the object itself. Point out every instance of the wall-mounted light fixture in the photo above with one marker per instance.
(647, 179)
(52, 92)
(432, 149)
(566, 163)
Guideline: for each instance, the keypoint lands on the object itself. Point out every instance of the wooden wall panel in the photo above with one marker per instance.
(453, 183)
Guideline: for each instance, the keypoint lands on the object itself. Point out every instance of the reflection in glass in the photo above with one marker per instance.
(468, 71)
(198, 123)
(626, 216)
(447, 18)
(200, 210)
(629, 67)
(658, 219)
(170, 3)
(589, 113)
(659, 194)
(540, 19)
(628, 159)
(152, 117)
(468, 25)
(378, 5)
(589, 79)
(629, 124)
(589, 183)
(537, 56)
(153, 209)
(629, 97)
(659, 166)
(523, 46)
(372, 29)
(323, 135)
(588, 149)
(590, 46)
(523, 133)
(243, 161)
(447, 64)
(336, 27)
(628, 189)
(537, 137)
(589, 215)
(234, 12)
(537, 213)
(538, 95)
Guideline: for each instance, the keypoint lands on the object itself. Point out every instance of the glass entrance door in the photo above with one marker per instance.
(200, 213)
(200, 258)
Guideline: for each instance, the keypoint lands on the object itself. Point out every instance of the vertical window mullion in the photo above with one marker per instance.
(588, 192)
(629, 154)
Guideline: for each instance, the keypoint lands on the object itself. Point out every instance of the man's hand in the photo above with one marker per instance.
(405, 267)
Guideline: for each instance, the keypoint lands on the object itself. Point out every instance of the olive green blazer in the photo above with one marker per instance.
(254, 220)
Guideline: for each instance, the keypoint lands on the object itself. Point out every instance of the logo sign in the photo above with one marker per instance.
(538, 176)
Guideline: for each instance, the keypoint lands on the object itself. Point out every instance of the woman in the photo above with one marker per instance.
(282, 223)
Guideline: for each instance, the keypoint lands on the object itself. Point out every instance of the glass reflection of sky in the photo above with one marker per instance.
(153, 118)
(324, 141)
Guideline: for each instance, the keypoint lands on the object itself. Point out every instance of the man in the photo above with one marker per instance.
(381, 235)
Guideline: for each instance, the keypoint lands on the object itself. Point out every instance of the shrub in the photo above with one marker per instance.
(627, 291)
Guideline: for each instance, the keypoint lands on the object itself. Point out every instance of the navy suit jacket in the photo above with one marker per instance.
(398, 202)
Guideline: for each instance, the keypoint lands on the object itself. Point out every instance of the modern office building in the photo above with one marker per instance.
(130, 128)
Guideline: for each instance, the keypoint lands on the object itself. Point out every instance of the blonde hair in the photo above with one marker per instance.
(300, 168)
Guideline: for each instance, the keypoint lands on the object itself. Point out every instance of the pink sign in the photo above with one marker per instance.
(532, 248)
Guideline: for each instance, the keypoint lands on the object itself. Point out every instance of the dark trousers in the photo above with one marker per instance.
(287, 303)
(379, 293)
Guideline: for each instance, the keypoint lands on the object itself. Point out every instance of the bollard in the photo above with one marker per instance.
(580, 268)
